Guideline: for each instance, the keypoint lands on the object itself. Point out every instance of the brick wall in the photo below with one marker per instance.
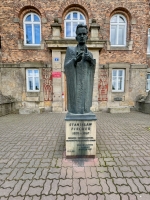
(100, 10)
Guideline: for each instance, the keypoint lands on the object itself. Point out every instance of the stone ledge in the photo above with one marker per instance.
(34, 99)
(82, 117)
(25, 65)
(64, 43)
(128, 47)
(30, 47)
(32, 65)
(121, 109)
(138, 66)
(23, 111)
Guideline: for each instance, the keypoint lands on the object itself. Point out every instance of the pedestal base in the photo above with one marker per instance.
(80, 135)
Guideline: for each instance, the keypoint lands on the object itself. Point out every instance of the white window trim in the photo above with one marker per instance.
(146, 82)
(27, 81)
(148, 40)
(123, 83)
(71, 20)
(125, 24)
(32, 23)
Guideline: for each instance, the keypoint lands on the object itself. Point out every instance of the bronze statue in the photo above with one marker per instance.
(79, 69)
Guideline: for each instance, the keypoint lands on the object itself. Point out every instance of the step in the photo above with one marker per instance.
(31, 110)
(120, 109)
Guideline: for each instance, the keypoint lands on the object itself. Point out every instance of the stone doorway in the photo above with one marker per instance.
(64, 86)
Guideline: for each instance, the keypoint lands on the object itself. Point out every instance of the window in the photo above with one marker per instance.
(118, 80)
(118, 30)
(32, 29)
(33, 83)
(71, 21)
(148, 82)
(148, 43)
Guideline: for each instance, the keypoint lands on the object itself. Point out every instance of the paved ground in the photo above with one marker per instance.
(33, 164)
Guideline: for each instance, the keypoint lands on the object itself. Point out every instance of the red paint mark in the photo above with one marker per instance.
(47, 84)
(56, 74)
(103, 85)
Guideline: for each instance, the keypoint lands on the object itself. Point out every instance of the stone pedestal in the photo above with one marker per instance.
(80, 135)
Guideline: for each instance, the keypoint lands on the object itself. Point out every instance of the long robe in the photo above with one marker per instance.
(80, 80)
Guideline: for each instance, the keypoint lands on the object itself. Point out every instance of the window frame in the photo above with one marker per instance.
(72, 20)
(117, 30)
(32, 25)
(123, 80)
(147, 80)
(148, 40)
(33, 77)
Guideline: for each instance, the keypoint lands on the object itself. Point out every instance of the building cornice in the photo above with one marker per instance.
(64, 43)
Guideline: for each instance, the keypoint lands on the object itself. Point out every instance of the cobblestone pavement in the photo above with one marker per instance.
(33, 164)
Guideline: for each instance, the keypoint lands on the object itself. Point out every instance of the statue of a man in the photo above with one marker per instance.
(79, 69)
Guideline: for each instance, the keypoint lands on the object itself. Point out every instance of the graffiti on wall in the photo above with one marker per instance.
(103, 85)
(47, 84)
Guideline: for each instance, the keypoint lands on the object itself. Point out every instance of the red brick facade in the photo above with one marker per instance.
(14, 55)
(101, 11)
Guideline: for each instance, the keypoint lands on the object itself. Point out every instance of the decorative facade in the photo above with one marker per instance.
(34, 37)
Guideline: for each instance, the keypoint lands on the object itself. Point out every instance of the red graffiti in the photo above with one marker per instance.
(103, 85)
(47, 84)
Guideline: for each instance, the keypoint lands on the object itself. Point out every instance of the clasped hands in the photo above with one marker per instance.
(84, 56)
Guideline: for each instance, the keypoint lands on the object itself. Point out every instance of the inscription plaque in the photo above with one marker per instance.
(80, 138)
(118, 99)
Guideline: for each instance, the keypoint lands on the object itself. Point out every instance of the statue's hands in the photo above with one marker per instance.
(79, 57)
(88, 57)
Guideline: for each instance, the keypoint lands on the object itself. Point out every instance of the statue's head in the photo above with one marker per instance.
(81, 33)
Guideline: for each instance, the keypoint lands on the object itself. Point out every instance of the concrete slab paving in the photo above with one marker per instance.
(33, 164)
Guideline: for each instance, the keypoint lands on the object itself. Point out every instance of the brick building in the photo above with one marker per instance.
(34, 38)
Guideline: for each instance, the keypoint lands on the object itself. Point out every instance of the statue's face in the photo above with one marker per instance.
(81, 35)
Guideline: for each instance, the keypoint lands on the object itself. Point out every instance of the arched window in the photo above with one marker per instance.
(72, 19)
(118, 26)
(32, 29)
